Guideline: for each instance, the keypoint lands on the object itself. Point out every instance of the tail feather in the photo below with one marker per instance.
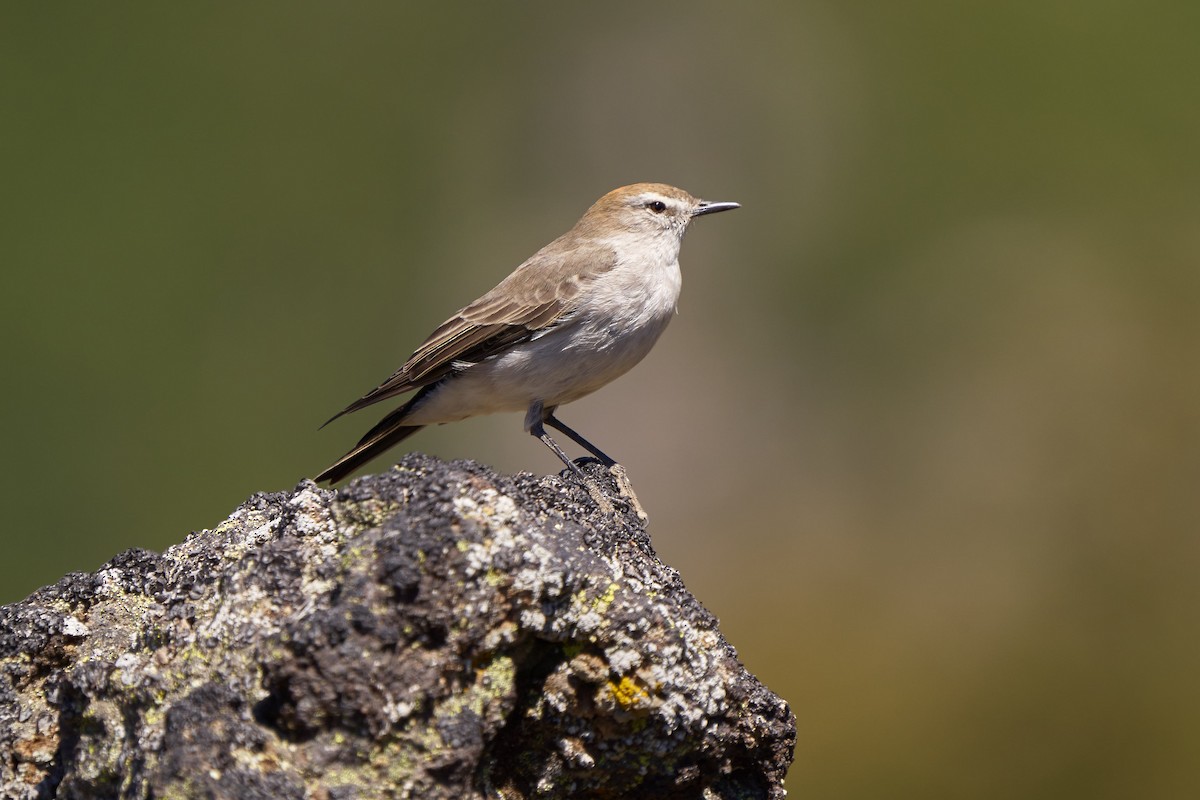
(366, 450)
(390, 431)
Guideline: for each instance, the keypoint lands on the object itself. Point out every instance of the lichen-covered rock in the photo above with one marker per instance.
(438, 631)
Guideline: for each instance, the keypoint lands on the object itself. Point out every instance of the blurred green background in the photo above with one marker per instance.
(925, 435)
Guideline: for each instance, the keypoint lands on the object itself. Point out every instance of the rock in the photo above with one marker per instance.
(437, 631)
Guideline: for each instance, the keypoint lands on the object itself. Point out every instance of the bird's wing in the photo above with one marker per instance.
(540, 293)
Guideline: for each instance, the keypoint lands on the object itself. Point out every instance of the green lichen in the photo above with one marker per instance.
(605, 601)
(499, 677)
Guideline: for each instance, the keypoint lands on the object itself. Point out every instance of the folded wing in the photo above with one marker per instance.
(539, 294)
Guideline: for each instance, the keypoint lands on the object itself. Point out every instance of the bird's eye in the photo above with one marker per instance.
(657, 206)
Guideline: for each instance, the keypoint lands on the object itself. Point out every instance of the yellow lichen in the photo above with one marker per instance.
(628, 694)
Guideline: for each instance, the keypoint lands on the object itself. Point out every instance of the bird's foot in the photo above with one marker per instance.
(593, 489)
(620, 477)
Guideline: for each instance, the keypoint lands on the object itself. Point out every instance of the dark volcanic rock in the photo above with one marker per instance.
(438, 631)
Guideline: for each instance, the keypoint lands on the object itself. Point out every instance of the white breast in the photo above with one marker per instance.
(617, 322)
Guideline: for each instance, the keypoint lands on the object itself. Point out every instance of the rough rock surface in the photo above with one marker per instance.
(437, 631)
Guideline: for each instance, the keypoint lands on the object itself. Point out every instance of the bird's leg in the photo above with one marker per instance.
(533, 424)
(558, 425)
(623, 483)
(540, 432)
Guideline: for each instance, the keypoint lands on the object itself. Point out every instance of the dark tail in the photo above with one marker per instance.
(390, 431)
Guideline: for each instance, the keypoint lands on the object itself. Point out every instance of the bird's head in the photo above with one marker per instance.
(646, 209)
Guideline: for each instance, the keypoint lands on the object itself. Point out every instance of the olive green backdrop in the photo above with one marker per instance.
(925, 435)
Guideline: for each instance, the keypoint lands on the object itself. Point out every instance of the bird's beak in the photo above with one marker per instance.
(707, 207)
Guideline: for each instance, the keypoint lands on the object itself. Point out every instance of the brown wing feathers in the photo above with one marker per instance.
(540, 293)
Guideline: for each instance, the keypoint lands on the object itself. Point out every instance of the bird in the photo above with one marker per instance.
(576, 315)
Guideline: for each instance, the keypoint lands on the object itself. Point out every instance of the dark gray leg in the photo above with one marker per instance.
(534, 418)
(537, 430)
(557, 424)
(616, 469)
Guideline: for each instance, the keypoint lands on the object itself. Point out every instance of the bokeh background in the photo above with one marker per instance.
(925, 434)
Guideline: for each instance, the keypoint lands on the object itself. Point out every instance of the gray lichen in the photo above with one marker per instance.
(438, 631)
